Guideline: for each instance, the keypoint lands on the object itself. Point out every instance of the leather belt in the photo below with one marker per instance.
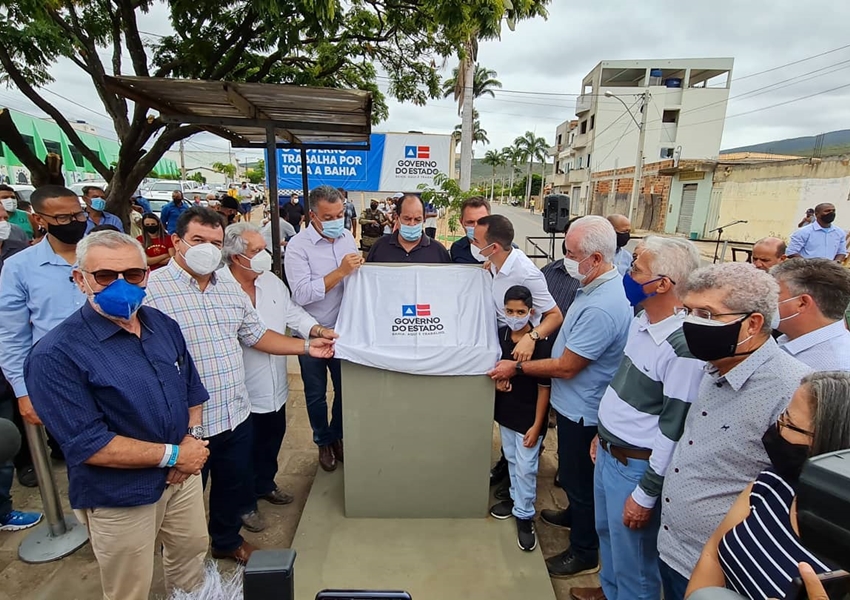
(624, 454)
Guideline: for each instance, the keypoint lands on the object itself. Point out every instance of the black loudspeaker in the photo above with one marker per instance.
(269, 574)
(556, 213)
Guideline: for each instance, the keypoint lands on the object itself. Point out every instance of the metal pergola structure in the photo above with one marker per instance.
(262, 116)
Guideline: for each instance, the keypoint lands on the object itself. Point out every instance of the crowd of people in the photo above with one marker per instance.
(685, 398)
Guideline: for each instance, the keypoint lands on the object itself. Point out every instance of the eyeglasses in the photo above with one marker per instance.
(65, 219)
(105, 276)
(701, 313)
(784, 420)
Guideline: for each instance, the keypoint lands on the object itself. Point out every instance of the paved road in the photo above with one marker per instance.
(528, 225)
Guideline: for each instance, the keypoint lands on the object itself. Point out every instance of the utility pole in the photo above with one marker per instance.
(466, 125)
(182, 163)
(644, 110)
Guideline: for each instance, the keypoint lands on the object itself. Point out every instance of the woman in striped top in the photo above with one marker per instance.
(756, 549)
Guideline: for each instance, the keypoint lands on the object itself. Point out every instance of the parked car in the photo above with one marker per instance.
(162, 190)
(22, 191)
(156, 205)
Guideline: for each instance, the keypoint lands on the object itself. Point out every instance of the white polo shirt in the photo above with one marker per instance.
(519, 270)
(824, 349)
(265, 374)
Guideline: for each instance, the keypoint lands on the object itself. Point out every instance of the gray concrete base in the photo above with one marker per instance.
(416, 446)
(433, 559)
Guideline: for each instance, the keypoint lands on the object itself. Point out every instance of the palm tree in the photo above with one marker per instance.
(512, 157)
(479, 135)
(531, 147)
(483, 83)
(493, 158)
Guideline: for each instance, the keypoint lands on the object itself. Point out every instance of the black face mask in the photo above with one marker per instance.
(828, 217)
(152, 229)
(623, 239)
(69, 234)
(373, 206)
(787, 458)
(713, 342)
(230, 218)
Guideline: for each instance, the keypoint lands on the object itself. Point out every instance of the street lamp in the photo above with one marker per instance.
(641, 137)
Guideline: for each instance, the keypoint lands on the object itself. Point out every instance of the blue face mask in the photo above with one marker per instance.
(470, 232)
(410, 233)
(634, 290)
(98, 204)
(333, 229)
(119, 300)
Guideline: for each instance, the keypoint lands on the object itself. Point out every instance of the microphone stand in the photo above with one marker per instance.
(719, 231)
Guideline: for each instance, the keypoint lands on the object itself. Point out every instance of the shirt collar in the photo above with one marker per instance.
(817, 226)
(104, 328)
(604, 278)
(811, 339)
(739, 375)
(46, 254)
(424, 241)
(659, 331)
(508, 265)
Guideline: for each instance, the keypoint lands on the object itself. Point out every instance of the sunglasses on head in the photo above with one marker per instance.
(105, 276)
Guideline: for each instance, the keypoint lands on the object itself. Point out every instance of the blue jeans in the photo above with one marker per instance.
(314, 373)
(629, 556)
(575, 472)
(674, 584)
(232, 487)
(522, 468)
(269, 429)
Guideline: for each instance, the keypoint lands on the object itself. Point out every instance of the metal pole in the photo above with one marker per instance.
(644, 110)
(305, 184)
(59, 535)
(274, 202)
(182, 162)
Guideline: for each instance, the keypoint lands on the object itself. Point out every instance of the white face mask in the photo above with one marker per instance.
(476, 253)
(517, 323)
(10, 204)
(778, 319)
(261, 263)
(5, 230)
(202, 259)
(572, 266)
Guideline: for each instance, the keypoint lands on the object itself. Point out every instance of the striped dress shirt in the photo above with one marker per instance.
(647, 402)
(214, 322)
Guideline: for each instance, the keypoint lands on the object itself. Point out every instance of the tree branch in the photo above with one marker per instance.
(228, 44)
(116, 41)
(134, 41)
(24, 86)
(12, 137)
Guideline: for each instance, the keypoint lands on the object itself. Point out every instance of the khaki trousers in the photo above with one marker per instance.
(124, 541)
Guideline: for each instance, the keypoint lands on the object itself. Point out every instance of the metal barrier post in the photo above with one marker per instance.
(58, 536)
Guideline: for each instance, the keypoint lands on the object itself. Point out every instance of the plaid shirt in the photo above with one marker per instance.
(213, 322)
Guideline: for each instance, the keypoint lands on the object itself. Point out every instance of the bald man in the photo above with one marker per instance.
(623, 228)
(768, 252)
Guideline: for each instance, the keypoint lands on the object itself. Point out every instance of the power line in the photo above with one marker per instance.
(796, 62)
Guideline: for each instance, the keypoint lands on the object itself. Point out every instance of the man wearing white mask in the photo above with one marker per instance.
(249, 264)
(23, 223)
(216, 317)
(9, 245)
(318, 260)
(462, 250)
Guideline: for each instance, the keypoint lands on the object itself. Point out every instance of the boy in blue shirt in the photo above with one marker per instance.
(522, 406)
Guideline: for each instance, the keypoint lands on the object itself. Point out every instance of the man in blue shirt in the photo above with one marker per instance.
(471, 210)
(36, 290)
(820, 239)
(585, 357)
(172, 211)
(95, 199)
(116, 385)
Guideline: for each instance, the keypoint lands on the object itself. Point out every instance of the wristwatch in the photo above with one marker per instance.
(533, 334)
(196, 432)
(519, 366)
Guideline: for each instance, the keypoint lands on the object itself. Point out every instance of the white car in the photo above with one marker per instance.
(162, 190)
(22, 191)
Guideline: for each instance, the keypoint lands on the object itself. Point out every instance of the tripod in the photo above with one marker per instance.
(719, 231)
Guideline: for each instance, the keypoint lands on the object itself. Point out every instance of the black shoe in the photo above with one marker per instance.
(499, 472)
(27, 478)
(557, 518)
(526, 538)
(566, 564)
(502, 510)
(503, 492)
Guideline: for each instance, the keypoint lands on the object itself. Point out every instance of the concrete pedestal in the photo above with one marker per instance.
(416, 446)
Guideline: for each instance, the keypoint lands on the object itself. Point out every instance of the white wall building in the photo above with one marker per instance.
(685, 114)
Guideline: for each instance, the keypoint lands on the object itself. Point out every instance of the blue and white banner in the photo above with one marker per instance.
(395, 163)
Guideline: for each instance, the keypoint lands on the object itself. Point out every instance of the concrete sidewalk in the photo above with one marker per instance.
(77, 578)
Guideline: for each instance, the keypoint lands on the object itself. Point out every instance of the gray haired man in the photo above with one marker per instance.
(248, 263)
(749, 382)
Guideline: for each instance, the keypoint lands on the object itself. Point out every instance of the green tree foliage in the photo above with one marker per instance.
(530, 147)
(226, 169)
(196, 176)
(329, 43)
(479, 134)
(483, 85)
(257, 174)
